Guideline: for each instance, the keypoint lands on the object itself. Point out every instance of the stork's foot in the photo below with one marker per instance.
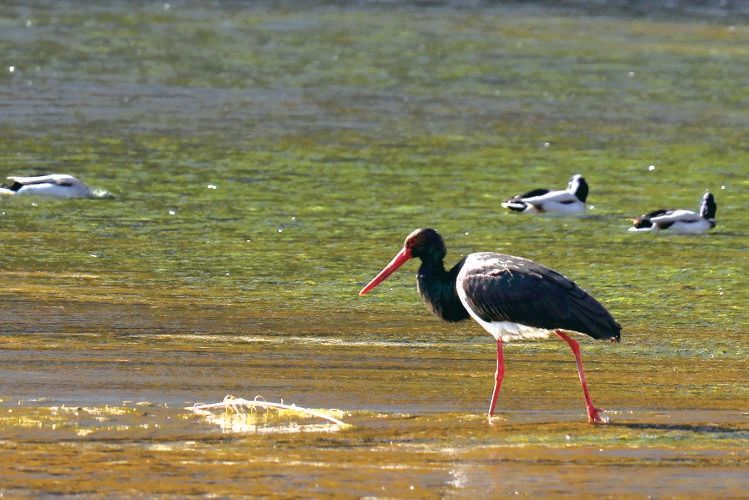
(597, 416)
(493, 419)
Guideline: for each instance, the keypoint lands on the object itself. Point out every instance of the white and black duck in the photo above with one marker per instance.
(567, 201)
(50, 186)
(679, 221)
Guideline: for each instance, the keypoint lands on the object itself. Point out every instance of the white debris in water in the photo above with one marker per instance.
(11, 69)
(651, 168)
(172, 212)
(631, 74)
(211, 186)
(257, 415)
(723, 187)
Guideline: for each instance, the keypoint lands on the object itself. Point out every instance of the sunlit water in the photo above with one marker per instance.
(267, 161)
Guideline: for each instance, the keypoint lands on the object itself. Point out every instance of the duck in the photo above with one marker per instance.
(48, 186)
(679, 221)
(567, 201)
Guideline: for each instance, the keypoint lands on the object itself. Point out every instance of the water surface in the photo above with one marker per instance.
(268, 160)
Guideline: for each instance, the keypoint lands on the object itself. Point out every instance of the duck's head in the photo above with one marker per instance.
(708, 207)
(578, 187)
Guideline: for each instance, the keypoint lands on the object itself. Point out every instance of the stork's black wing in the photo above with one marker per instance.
(506, 288)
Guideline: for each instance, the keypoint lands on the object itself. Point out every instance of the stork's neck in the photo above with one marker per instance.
(437, 288)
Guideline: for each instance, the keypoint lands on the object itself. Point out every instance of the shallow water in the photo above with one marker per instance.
(268, 161)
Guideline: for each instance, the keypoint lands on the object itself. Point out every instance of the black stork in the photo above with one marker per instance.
(511, 297)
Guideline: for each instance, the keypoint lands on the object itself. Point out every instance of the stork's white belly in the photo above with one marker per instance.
(508, 331)
(505, 330)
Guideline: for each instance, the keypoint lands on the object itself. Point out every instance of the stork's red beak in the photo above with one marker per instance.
(398, 261)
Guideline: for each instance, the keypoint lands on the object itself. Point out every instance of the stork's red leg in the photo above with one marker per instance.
(498, 376)
(594, 414)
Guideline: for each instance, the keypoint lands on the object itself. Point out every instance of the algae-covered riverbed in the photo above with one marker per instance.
(268, 158)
